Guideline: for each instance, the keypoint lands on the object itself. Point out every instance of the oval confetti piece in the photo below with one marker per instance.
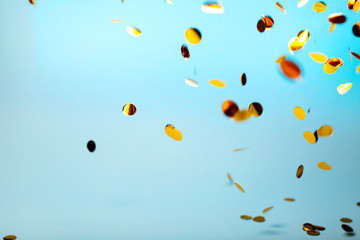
(358, 204)
(239, 187)
(310, 137)
(185, 51)
(10, 237)
(117, 20)
(329, 69)
(261, 25)
(313, 233)
(302, 3)
(239, 149)
(356, 29)
(267, 209)
(133, 31)
(280, 59)
(319, 7)
(212, 8)
(255, 109)
(91, 146)
(344, 88)
(242, 115)
(279, 6)
(346, 220)
(299, 113)
(355, 55)
(299, 171)
(318, 57)
(191, 82)
(229, 108)
(337, 18)
(193, 35)
(325, 131)
(347, 228)
(358, 69)
(243, 79)
(269, 22)
(32, 2)
(332, 27)
(289, 199)
(129, 109)
(173, 133)
(230, 178)
(290, 69)
(324, 166)
(217, 83)
(259, 219)
(245, 217)
(319, 228)
(308, 227)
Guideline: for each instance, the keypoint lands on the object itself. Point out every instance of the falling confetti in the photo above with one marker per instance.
(230, 178)
(332, 64)
(191, 82)
(324, 166)
(358, 69)
(91, 146)
(313, 233)
(337, 18)
(243, 79)
(217, 83)
(318, 57)
(299, 113)
(117, 20)
(325, 131)
(255, 109)
(354, 5)
(193, 35)
(290, 69)
(302, 3)
(265, 23)
(356, 29)
(239, 187)
(279, 6)
(259, 219)
(310, 137)
(129, 109)
(300, 171)
(10, 237)
(32, 2)
(319, 7)
(358, 204)
(355, 55)
(289, 199)
(229, 108)
(267, 209)
(185, 51)
(212, 7)
(344, 88)
(298, 42)
(245, 217)
(242, 115)
(347, 228)
(173, 133)
(332, 27)
(239, 149)
(133, 31)
(346, 220)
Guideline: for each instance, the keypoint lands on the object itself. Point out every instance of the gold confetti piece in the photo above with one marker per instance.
(230, 178)
(346, 220)
(191, 82)
(325, 131)
(269, 22)
(302, 3)
(356, 29)
(310, 137)
(358, 69)
(193, 35)
(245, 217)
(299, 113)
(344, 88)
(243, 79)
(299, 171)
(350, 55)
(259, 219)
(242, 115)
(332, 64)
(347, 228)
(280, 59)
(117, 20)
(318, 57)
(319, 7)
(129, 109)
(185, 51)
(319, 228)
(10, 237)
(290, 69)
(169, 1)
(172, 132)
(239, 149)
(298, 42)
(133, 31)
(356, 55)
(267, 209)
(266, 22)
(212, 8)
(354, 5)
(308, 227)
(255, 109)
(280, 7)
(329, 69)
(229, 108)
(289, 199)
(337, 18)
(217, 83)
(313, 233)
(32, 2)
(332, 27)
(239, 187)
(324, 166)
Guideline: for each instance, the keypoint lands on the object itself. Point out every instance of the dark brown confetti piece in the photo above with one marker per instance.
(129, 109)
(347, 228)
(358, 204)
(308, 227)
(185, 51)
(337, 18)
(32, 2)
(356, 55)
(356, 29)
(300, 171)
(243, 79)
(319, 228)
(255, 109)
(91, 146)
(229, 108)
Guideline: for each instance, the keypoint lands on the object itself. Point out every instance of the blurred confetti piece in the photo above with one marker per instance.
(243, 79)
(230, 178)
(319, 7)
(169, 1)
(229, 108)
(358, 69)
(358, 204)
(332, 27)
(32, 2)
(313, 233)
(324, 166)
(290, 69)
(191, 82)
(354, 5)
(245, 217)
(337, 18)
(325, 131)
(267, 209)
(255, 109)
(212, 8)
(242, 115)
(356, 29)
(356, 55)
(302, 3)
(299, 113)
(280, 59)
(259, 219)
(10, 237)
(279, 6)
(310, 137)
(344, 88)
(346, 220)
(289, 199)
(91, 146)
(300, 171)
(217, 83)
(239, 149)
(320, 228)
(129, 109)
(318, 57)
(193, 35)
(185, 52)
(239, 187)
(117, 20)
(350, 55)
(308, 227)
(347, 228)
(173, 133)
(133, 31)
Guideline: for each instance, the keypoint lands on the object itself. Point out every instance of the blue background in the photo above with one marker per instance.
(66, 71)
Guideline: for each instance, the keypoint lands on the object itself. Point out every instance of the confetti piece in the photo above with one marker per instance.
(324, 166)
(10, 237)
(290, 69)
(279, 6)
(173, 133)
(347, 228)
(185, 51)
(313, 233)
(325, 131)
(310, 137)
(243, 79)
(350, 54)
(193, 35)
(298, 42)
(319, 7)
(239, 187)
(320, 228)
(356, 29)
(212, 8)
(239, 149)
(358, 69)
(332, 64)
(332, 27)
(354, 5)
(346, 220)
(129, 109)
(245, 217)
(230, 178)
(265, 23)
(217, 83)
(289, 199)
(242, 115)
(169, 1)
(356, 55)
(191, 82)
(259, 219)
(135, 32)
(280, 59)
(255, 109)
(32, 2)
(267, 209)
(302, 3)
(318, 57)
(337, 18)
(229, 108)
(308, 227)
(299, 113)
(299, 171)
(344, 88)
(117, 20)
(91, 146)
(358, 204)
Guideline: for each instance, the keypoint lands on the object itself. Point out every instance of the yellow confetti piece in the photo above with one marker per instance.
(191, 82)
(117, 20)
(193, 35)
(310, 137)
(358, 69)
(173, 133)
(129, 109)
(318, 57)
(319, 7)
(279, 6)
(344, 88)
(169, 1)
(135, 32)
(332, 27)
(212, 8)
(267, 209)
(255, 109)
(239, 187)
(280, 59)
(324, 166)
(325, 131)
(230, 178)
(299, 113)
(239, 149)
(302, 3)
(242, 115)
(217, 83)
